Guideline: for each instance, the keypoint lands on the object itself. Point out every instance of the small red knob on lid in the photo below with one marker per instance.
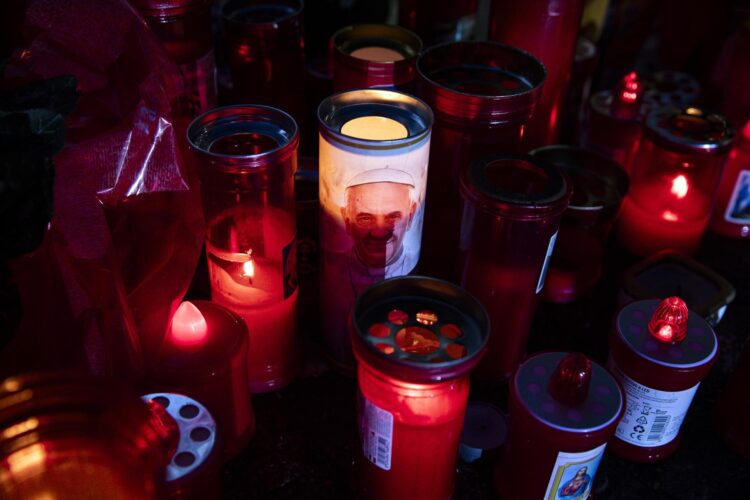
(670, 320)
(570, 382)
(628, 95)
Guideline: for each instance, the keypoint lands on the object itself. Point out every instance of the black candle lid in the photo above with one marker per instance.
(600, 403)
(698, 348)
(419, 329)
(689, 130)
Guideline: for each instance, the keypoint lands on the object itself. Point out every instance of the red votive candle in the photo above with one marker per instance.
(246, 159)
(548, 29)
(612, 122)
(563, 410)
(184, 29)
(660, 353)
(599, 186)
(416, 340)
(511, 216)
(264, 46)
(194, 466)
(374, 56)
(204, 356)
(482, 94)
(731, 215)
(677, 169)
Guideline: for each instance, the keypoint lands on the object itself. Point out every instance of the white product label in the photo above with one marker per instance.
(738, 208)
(376, 433)
(652, 417)
(543, 274)
(573, 474)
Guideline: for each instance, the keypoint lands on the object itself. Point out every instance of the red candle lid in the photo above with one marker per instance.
(195, 427)
(699, 346)
(419, 329)
(690, 130)
(568, 392)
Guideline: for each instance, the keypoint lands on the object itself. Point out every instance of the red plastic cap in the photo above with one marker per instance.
(630, 89)
(570, 382)
(189, 328)
(670, 320)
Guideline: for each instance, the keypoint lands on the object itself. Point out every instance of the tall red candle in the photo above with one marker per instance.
(677, 169)
(246, 158)
(563, 410)
(660, 352)
(482, 94)
(416, 339)
(204, 356)
(510, 221)
(731, 215)
(548, 29)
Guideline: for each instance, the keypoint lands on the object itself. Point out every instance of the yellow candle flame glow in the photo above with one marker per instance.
(248, 269)
(375, 128)
(680, 186)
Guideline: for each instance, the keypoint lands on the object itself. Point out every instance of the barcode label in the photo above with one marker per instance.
(376, 433)
(658, 428)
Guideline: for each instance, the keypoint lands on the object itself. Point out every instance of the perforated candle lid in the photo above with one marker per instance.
(420, 329)
(568, 392)
(689, 129)
(698, 347)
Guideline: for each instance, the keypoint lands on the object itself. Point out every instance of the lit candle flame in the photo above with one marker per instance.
(248, 269)
(680, 186)
(189, 327)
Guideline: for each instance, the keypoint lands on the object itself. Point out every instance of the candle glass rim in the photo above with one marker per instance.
(296, 13)
(352, 33)
(168, 8)
(661, 135)
(375, 102)
(224, 115)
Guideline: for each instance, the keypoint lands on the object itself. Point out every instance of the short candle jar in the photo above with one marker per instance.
(246, 159)
(374, 56)
(416, 340)
(676, 172)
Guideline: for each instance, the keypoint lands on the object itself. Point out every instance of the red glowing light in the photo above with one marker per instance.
(630, 89)
(570, 382)
(248, 269)
(189, 327)
(680, 186)
(670, 320)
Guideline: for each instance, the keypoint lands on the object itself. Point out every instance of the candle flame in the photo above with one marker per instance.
(680, 186)
(188, 325)
(248, 269)
(669, 215)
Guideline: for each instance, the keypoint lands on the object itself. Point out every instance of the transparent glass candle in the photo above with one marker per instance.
(416, 340)
(246, 157)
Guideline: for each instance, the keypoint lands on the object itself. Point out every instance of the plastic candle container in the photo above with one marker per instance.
(599, 186)
(660, 353)
(548, 29)
(246, 157)
(563, 410)
(184, 29)
(612, 123)
(731, 215)
(264, 46)
(374, 150)
(483, 94)
(64, 435)
(204, 356)
(374, 56)
(510, 221)
(416, 340)
(677, 170)
(194, 466)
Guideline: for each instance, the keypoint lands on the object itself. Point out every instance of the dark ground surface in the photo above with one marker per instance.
(306, 440)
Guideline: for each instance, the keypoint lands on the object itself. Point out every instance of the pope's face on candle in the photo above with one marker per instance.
(377, 215)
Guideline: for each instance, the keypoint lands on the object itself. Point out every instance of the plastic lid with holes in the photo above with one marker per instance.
(689, 130)
(197, 433)
(419, 329)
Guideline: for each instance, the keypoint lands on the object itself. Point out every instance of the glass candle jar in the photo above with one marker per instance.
(563, 410)
(612, 123)
(374, 56)
(204, 356)
(246, 157)
(416, 340)
(64, 435)
(482, 94)
(731, 215)
(374, 149)
(184, 29)
(548, 29)
(194, 465)
(660, 353)
(265, 55)
(677, 169)
(512, 211)
(599, 186)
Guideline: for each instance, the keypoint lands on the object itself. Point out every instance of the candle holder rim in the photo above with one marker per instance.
(298, 6)
(415, 44)
(168, 8)
(661, 135)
